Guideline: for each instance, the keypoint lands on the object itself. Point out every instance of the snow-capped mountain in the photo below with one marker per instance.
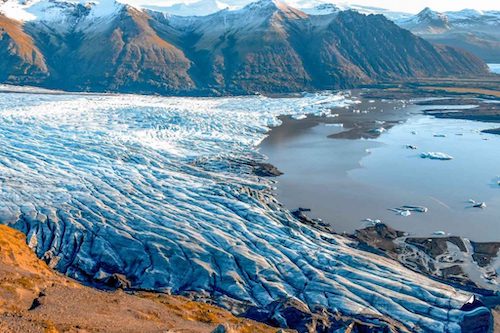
(428, 21)
(57, 10)
(320, 7)
(313, 7)
(266, 46)
(473, 30)
(198, 8)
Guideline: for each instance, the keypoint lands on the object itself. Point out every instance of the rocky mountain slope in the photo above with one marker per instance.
(21, 59)
(266, 46)
(33, 298)
(471, 30)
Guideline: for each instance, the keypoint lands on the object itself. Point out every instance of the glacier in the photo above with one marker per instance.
(158, 189)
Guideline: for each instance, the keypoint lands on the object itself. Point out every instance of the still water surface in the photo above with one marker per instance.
(346, 181)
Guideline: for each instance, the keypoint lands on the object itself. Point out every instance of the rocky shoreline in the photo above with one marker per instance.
(451, 259)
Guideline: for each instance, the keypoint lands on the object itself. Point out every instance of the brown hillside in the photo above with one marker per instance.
(33, 298)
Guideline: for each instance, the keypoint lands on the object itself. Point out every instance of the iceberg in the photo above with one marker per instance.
(479, 205)
(436, 156)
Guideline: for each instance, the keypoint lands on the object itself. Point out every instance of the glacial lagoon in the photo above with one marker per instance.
(347, 181)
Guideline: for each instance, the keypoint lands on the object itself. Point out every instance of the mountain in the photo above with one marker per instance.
(319, 7)
(266, 46)
(428, 22)
(472, 30)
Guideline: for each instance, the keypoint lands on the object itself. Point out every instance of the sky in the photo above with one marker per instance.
(414, 6)
(411, 6)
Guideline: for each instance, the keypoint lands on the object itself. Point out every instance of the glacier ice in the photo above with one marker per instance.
(154, 188)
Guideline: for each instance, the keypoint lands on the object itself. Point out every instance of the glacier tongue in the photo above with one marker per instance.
(149, 187)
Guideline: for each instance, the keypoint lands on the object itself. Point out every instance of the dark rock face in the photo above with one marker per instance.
(436, 246)
(112, 281)
(265, 47)
(484, 253)
(266, 170)
(379, 236)
(480, 322)
(293, 314)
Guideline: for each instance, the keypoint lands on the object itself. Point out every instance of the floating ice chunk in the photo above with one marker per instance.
(299, 116)
(419, 209)
(436, 156)
(480, 205)
(405, 213)
(332, 115)
(439, 233)
(371, 222)
(379, 130)
(477, 204)
(440, 135)
(414, 132)
(407, 209)
(411, 147)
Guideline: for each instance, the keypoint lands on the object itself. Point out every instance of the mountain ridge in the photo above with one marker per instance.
(267, 46)
(471, 30)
